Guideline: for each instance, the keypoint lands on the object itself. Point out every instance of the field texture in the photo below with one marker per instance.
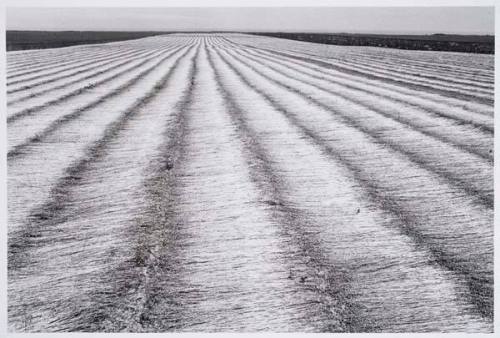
(245, 183)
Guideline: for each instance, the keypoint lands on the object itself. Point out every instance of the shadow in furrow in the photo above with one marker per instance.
(415, 78)
(481, 197)
(18, 150)
(142, 280)
(40, 76)
(479, 284)
(16, 66)
(156, 235)
(443, 114)
(435, 76)
(30, 111)
(60, 195)
(334, 291)
(352, 98)
(431, 97)
(128, 57)
(418, 87)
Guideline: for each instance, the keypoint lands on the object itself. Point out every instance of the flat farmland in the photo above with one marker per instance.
(231, 182)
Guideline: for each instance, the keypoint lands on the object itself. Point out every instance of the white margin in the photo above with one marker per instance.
(216, 3)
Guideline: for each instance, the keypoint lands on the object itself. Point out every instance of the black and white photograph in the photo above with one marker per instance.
(248, 169)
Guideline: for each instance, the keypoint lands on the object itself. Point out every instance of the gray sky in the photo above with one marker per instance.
(413, 20)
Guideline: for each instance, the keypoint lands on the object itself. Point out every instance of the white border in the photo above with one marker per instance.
(213, 3)
(246, 3)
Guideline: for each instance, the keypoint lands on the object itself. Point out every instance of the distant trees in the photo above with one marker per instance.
(438, 42)
(20, 40)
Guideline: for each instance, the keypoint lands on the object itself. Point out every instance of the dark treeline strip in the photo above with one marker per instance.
(22, 40)
(484, 44)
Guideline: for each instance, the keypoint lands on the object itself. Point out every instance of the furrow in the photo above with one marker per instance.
(435, 103)
(59, 58)
(62, 75)
(428, 73)
(228, 255)
(80, 93)
(426, 206)
(331, 307)
(36, 128)
(462, 61)
(15, 98)
(394, 109)
(472, 173)
(433, 67)
(389, 80)
(241, 183)
(433, 82)
(36, 64)
(57, 55)
(85, 269)
(41, 57)
(37, 182)
(480, 76)
(354, 257)
(150, 269)
(59, 69)
(35, 97)
(126, 56)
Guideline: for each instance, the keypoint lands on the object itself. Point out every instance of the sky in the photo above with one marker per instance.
(402, 20)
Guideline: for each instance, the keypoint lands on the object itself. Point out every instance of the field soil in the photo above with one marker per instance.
(233, 182)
